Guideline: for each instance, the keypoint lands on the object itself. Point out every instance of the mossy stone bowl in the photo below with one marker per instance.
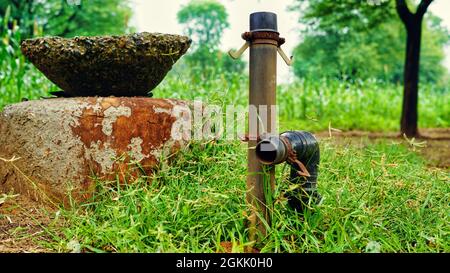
(128, 65)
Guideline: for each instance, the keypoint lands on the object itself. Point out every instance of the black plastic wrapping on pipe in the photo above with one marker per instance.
(307, 150)
(278, 149)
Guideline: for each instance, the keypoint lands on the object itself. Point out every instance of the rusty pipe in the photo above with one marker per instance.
(263, 38)
(264, 42)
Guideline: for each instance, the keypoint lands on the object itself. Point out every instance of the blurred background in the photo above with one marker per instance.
(349, 55)
(149, 15)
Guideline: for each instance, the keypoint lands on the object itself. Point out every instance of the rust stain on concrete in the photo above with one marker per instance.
(130, 127)
(62, 142)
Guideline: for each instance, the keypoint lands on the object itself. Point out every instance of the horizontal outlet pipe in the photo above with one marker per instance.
(301, 151)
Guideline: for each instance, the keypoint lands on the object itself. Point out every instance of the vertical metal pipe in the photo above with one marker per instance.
(262, 95)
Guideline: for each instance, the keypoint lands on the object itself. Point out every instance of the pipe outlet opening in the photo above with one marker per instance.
(271, 151)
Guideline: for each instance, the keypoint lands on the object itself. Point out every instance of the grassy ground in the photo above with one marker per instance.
(378, 197)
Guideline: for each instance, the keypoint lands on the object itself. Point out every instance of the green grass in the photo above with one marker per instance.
(18, 79)
(381, 197)
(316, 105)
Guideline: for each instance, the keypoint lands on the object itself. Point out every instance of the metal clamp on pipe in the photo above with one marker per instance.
(264, 28)
(300, 150)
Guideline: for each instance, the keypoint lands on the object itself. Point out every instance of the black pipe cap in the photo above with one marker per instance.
(263, 21)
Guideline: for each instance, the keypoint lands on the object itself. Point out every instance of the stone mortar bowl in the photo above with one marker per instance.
(128, 65)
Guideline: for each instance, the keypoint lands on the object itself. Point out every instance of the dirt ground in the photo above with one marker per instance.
(433, 144)
(23, 221)
(22, 224)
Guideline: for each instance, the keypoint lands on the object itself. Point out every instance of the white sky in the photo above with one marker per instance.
(160, 16)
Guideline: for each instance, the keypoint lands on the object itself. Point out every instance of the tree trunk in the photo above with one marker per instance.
(408, 123)
(413, 25)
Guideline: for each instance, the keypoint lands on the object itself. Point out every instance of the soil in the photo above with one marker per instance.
(22, 224)
(227, 247)
(22, 220)
(433, 144)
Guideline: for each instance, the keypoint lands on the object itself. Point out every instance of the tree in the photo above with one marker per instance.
(413, 25)
(69, 18)
(204, 21)
(349, 39)
(358, 55)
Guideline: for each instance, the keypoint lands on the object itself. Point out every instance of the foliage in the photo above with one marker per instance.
(315, 104)
(204, 21)
(349, 39)
(18, 79)
(69, 18)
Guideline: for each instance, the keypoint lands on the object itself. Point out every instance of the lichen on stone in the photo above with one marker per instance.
(110, 116)
(128, 65)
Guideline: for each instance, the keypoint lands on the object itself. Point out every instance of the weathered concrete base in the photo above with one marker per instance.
(57, 145)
